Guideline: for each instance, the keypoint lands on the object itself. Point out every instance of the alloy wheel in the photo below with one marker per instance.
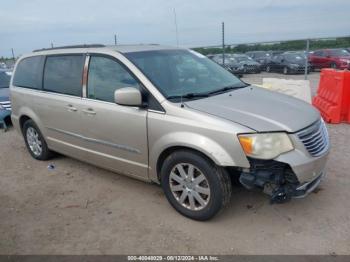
(33, 141)
(189, 186)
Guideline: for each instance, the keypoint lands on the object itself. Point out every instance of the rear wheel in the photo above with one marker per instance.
(35, 141)
(195, 186)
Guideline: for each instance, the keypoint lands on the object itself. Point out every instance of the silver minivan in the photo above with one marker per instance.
(170, 116)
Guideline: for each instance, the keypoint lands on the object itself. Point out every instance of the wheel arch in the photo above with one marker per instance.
(25, 114)
(22, 120)
(200, 144)
(168, 151)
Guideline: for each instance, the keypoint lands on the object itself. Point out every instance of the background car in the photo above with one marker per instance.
(262, 57)
(231, 64)
(5, 104)
(288, 63)
(247, 64)
(333, 58)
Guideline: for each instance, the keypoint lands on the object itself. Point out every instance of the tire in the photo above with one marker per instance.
(213, 185)
(285, 70)
(35, 141)
(268, 69)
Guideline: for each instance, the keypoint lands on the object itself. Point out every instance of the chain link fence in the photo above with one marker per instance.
(287, 57)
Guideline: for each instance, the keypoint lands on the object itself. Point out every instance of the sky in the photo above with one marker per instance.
(32, 24)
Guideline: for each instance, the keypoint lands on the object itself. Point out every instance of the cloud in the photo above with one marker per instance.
(27, 25)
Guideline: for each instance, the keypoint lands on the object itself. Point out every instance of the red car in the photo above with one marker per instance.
(333, 58)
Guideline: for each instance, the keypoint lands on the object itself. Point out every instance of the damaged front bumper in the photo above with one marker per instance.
(278, 180)
(308, 187)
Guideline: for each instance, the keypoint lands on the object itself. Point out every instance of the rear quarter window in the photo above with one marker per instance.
(29, 72)
(63, 74)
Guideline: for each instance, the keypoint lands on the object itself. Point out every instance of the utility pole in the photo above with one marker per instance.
(307, 58)
(115, 39)
(223, 43)
(13, 54)
(176, 32)
(51, 45)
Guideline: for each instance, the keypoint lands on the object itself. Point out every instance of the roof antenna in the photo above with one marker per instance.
(177, 44)
(176, 32)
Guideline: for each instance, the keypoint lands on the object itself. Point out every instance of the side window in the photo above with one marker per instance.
(319, 53)
(29, 72)
(63, 74)
(105, 76)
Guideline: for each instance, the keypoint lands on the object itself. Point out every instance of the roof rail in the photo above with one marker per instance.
(69, 46)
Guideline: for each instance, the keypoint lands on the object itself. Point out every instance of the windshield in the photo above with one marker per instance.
(339, 52)
(4, 79)
(296, 58)
(181, 72)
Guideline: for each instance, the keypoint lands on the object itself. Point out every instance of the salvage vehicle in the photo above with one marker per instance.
(5, 104)
(289, 63)
(231, 64)
(247, 64)
(332, 58)
(262, 57)
(169, 116)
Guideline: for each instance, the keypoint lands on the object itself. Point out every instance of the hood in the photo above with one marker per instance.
(231, 63)
(302, 62)
(4, 94)
(259, 109)
(249, 62)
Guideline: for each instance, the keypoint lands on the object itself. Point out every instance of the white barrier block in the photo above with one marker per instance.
(297, 88)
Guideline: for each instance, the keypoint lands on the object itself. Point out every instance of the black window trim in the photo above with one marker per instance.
(144, 91)
(82, 73)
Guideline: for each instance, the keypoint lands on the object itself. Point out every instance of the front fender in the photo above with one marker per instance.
(217, 153)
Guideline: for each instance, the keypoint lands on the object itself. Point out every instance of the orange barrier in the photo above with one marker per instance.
(333, 96)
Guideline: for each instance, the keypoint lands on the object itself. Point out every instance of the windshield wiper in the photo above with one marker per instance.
(226, 88)
(189, 95)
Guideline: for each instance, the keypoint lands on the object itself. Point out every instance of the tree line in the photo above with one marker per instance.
(295, 45)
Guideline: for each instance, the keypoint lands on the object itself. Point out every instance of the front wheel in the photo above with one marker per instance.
(195, 186)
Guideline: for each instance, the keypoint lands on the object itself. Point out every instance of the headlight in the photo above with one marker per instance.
(265, 146)
(345, 61)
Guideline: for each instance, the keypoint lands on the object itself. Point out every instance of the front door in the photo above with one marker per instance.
(115, 136)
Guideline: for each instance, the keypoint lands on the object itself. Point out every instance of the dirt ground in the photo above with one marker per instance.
(80, 209)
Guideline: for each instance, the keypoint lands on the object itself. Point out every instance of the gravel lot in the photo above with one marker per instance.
(80, 209)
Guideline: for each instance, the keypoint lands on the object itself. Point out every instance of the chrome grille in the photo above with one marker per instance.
(6, 105)
(315, 138)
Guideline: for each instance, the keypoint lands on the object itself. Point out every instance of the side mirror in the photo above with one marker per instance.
(128, 96)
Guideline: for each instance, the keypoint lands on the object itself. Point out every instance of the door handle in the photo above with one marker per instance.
(71, 108)
(89, 111)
